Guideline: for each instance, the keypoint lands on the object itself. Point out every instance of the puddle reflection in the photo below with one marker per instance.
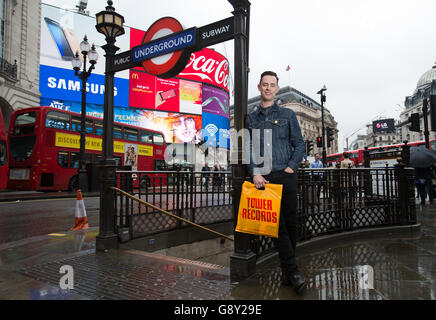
(354, 272)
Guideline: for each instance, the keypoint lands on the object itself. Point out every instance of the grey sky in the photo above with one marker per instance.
(370, 54)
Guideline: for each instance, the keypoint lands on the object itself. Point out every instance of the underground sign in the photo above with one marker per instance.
(165, 49)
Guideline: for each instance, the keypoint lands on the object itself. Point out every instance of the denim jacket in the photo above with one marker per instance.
(288, 146)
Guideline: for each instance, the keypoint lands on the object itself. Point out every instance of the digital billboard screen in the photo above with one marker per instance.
(383, 126)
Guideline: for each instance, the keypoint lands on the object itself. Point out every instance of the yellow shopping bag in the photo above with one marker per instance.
(259, 210)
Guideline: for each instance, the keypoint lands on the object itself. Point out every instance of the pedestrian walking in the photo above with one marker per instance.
(347, 163)
(206, 175)
(422, 178)
(284, 155)
(317, 175)
(216, 179)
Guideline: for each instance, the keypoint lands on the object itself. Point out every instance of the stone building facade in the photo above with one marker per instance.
(19, 55)
(425, 87)
(381, 139)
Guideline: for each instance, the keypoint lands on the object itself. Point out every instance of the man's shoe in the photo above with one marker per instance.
(295, 279)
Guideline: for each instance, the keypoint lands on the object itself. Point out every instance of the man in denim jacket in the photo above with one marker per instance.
(277, 148)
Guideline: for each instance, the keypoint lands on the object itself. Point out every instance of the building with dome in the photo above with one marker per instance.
(425, 87)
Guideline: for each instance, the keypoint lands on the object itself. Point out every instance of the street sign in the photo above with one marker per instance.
(166, 48)
(216, 32)
(165, 45)
(123, 61)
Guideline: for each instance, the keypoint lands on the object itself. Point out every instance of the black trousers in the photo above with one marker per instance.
(287, 241)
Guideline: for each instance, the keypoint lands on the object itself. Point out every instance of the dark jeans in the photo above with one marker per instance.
(287, 241)
(421, 191)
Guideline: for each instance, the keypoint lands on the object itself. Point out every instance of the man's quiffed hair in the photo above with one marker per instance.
(269, 73)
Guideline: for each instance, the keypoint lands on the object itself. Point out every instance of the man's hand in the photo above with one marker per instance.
(259, 181)
(289, 170)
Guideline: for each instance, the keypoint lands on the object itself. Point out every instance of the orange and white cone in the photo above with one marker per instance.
(81, 220)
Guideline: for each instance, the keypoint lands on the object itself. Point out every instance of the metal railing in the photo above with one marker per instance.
(200, 197)
(329, 201)
(337, 200)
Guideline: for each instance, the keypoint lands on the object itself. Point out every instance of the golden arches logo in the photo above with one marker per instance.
(135, 76)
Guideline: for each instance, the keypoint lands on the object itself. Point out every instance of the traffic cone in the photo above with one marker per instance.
(81, 220)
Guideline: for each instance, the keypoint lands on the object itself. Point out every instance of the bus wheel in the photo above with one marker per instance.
(144, 183)
(73, 185)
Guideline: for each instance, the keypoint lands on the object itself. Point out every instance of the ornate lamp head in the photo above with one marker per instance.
(110, 23)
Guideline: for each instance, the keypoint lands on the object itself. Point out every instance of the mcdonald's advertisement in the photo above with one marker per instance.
(179, 107)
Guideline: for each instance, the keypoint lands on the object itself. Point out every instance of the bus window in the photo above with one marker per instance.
(160, 165)
(130, 134)
(75, 124)
(146, 137)
(88, 126)
(117, 132)
(57, 120)
(3, 157)
(25, 118)
(98, 128)
(74, 160)
(433, 145)
(22, 147)
(63, 159)
(24, 124)
(158, 139)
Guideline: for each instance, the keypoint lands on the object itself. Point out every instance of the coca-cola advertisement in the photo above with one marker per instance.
(207, 66)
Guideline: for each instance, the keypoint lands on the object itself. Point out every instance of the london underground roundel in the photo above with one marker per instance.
(170, 64)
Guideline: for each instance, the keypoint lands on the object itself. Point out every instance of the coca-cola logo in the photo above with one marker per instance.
(208, 68)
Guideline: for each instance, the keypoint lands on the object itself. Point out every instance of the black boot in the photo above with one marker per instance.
(296, 280)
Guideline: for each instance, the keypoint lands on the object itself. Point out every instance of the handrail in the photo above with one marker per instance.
(170, 214)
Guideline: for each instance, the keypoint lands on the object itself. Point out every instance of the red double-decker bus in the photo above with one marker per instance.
(400, 145)
(44, 145)
(3, 155)
(357, 155)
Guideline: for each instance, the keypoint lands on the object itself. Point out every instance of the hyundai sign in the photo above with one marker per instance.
(383, 126)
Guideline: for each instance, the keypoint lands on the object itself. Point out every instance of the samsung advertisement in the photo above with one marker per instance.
(188, 109)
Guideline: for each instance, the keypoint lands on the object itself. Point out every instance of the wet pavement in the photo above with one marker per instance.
(368, 266)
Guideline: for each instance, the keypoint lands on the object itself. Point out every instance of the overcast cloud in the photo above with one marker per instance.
(370, 54)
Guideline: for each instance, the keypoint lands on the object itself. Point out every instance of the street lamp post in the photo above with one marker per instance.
(88, 52)
(323, 99)
(243, 259)
(110, 24)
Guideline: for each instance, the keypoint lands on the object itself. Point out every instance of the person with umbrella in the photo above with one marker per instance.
(422, 159)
